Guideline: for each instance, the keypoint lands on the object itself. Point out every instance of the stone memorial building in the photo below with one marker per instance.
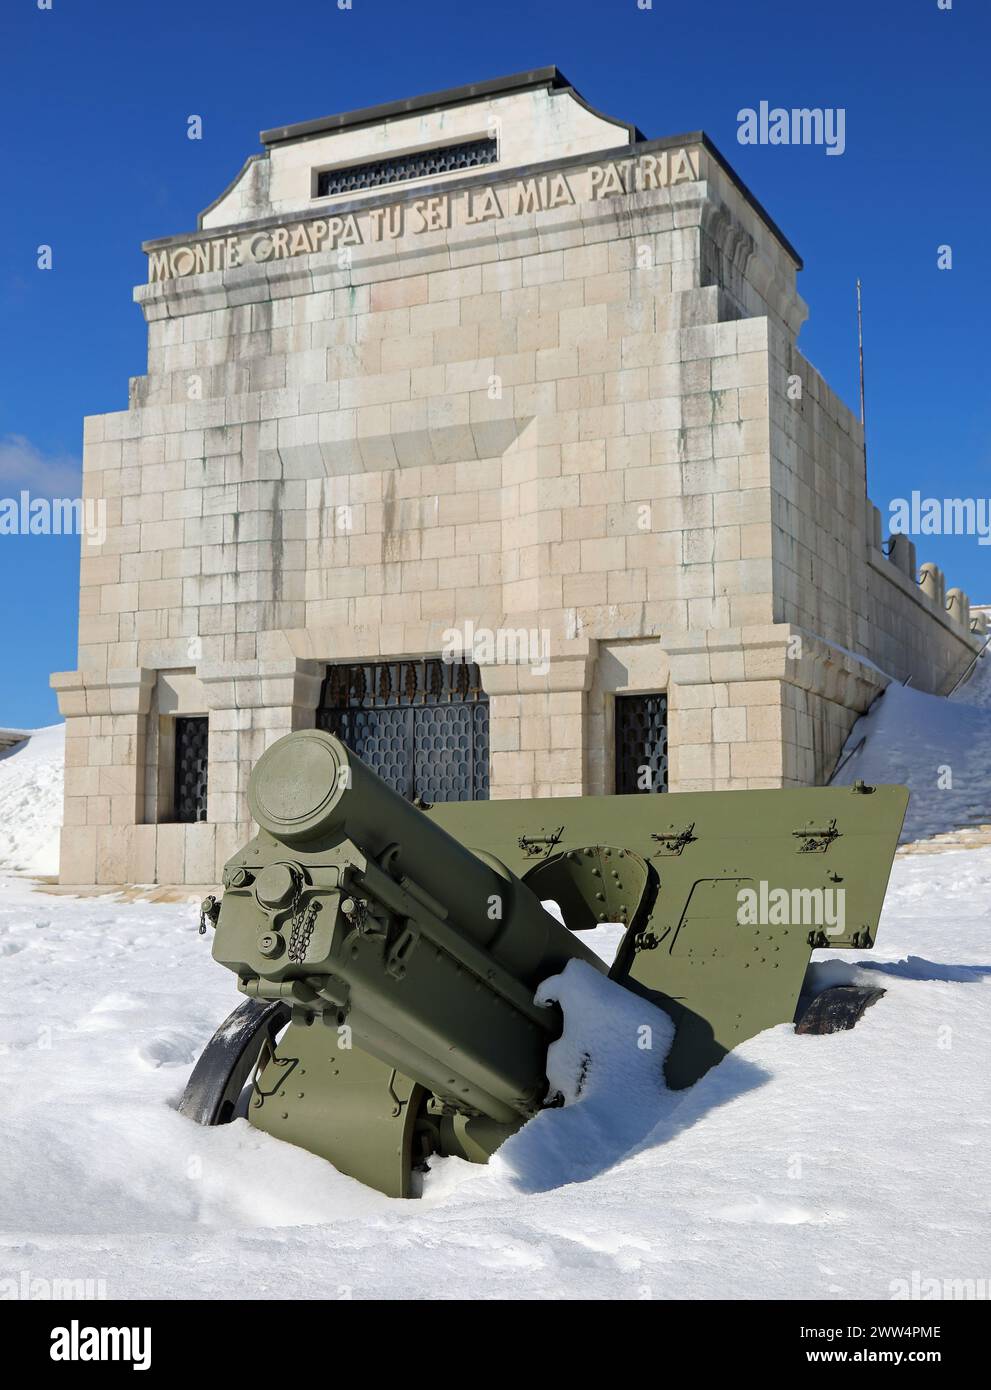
(475, 429)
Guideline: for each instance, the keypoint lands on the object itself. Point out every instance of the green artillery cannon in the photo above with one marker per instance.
(390, 954)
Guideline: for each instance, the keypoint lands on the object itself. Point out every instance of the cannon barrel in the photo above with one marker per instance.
(357, 910)
(309, 790)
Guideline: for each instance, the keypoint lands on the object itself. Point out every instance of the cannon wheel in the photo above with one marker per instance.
(228, 1060)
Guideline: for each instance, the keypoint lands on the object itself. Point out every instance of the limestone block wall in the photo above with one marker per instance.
(832, 581)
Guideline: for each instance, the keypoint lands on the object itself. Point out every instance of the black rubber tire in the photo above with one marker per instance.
(215, 1085)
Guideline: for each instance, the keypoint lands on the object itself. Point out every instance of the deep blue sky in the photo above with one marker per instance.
(94, 103)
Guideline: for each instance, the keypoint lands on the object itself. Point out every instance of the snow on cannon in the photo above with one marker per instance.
(390, 954)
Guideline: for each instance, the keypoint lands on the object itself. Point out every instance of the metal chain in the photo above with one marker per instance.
(302, 923)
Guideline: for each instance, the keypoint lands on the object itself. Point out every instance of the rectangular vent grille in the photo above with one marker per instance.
(470, 154)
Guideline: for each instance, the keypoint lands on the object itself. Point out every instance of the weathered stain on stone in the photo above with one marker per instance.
(391, 536)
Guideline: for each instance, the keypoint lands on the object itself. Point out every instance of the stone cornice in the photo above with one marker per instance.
(123, 691)
(547, 78)
(777, 652)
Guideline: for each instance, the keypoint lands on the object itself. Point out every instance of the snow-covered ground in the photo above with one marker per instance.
(824, 1167)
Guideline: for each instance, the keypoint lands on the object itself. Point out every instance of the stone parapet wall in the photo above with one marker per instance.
(830, 575)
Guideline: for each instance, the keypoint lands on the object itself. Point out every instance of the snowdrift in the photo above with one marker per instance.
(31, 787)
(940, 749)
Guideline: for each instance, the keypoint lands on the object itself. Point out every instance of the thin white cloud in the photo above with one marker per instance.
(23, 465)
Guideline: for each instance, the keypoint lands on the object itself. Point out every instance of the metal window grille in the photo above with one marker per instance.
(423, 726)
(191, 741)
(641, 743)
(469, 154)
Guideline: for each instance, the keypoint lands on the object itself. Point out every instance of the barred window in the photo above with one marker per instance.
(469, 154)
(423, 726)
(641, 743)
(191, 741)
